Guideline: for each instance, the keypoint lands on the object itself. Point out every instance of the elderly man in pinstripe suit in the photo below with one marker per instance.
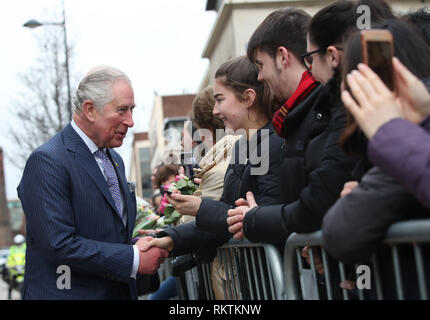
(79, 209)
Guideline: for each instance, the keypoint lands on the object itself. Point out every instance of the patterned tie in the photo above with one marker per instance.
(112, 179)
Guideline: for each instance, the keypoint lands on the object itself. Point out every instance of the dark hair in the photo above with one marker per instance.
(284, 27)
(409, 47)
(420, 20)
(334, 23)
(164, 172)
(203, 106)
(240, 74)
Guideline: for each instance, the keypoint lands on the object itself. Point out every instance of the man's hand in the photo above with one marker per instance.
(185, 205)
(236, 215)
(150, 260)
(348, 187)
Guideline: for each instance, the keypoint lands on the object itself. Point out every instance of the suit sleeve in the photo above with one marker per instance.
(45, 195)
(402, 149)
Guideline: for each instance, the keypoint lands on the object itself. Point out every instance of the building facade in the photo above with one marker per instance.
(169, 114)
(140, 171)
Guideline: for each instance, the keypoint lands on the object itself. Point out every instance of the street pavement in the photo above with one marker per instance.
(4, 291)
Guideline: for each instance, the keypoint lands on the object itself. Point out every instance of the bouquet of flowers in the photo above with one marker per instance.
(146, 218)
(186, 187)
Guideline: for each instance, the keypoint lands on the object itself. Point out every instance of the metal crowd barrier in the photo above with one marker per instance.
(249, 271)
(165, 269)
(397, 269)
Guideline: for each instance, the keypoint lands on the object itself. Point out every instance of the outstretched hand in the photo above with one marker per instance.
(141, 241)
(375, 104)
(151, 258)
(236, 215)
(165, 243)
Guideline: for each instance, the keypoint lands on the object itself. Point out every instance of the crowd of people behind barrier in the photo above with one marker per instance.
(344, 153)
(297, 136)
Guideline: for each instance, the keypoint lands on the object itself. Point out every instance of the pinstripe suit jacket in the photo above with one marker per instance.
(72, 220)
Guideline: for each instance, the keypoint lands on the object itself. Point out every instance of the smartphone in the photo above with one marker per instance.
(377, 52)
(165, 191)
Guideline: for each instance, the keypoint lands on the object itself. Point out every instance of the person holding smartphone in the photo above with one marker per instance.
(355, 226)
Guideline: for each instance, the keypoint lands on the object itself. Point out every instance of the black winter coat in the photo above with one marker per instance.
(210, 229)
(356, 224)
(314, 169)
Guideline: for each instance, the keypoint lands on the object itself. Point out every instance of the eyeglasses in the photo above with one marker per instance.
(308, 59)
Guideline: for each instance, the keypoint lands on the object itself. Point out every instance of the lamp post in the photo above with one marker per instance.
(34, 24)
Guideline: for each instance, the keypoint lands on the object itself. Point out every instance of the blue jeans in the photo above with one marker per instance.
(166, 291)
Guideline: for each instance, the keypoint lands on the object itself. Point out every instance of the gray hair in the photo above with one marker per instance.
(97, 85)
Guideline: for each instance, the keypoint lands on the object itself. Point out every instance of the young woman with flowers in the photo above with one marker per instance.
(244, 105)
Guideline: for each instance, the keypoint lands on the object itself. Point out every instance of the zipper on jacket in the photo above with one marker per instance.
(240, 181)
(281, 155)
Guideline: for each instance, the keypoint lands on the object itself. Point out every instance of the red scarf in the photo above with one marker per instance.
(306, 85)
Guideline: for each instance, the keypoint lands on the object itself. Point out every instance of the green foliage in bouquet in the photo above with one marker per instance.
(186, 187)
(146, 219)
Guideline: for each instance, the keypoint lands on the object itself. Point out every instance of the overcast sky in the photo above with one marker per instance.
(157, 43)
